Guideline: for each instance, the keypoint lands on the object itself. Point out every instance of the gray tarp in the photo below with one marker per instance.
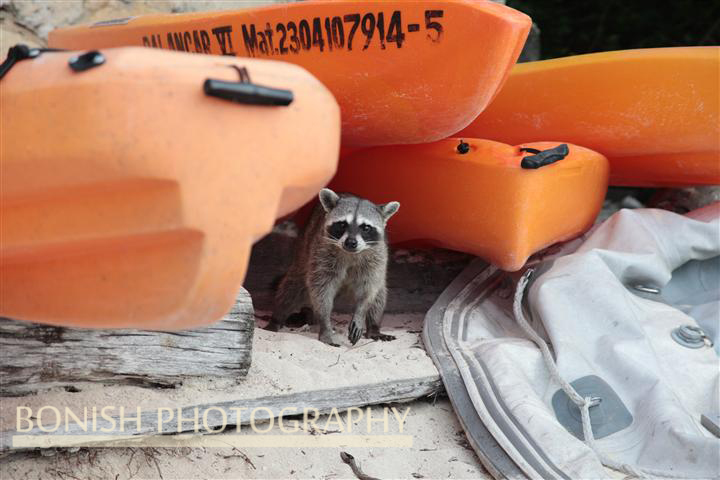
(598, 309)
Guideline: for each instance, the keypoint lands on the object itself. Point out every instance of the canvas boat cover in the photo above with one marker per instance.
(609, 306)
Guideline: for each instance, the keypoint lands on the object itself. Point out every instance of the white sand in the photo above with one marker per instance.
(439, 451)
(283, 363)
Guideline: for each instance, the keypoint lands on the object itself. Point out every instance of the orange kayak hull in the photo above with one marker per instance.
(400, 69)
(130, 198)
(481, 202)
(652, 112)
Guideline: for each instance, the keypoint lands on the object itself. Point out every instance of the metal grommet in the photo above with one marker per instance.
(643, 288)
(691, 336)
(86, 61)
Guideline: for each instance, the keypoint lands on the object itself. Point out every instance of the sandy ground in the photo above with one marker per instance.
(439, 450)
(284, 362)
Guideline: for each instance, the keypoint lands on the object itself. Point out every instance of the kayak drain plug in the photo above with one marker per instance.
(247, 93)
(463, 148)
(86, 61)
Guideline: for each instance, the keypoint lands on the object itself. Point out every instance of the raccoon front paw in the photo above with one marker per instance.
(382, 337)
(355, 331)
(331, 338)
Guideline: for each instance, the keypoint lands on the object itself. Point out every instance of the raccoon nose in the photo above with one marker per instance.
(351, 243)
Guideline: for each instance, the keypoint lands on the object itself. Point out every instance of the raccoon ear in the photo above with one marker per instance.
(389, 209)
(328, 199)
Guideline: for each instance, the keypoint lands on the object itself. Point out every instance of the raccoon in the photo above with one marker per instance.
(343, 248)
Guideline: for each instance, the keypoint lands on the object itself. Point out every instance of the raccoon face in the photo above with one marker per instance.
(353, 223)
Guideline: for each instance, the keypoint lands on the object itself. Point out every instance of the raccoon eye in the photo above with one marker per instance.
(369, 233)
(337, 229)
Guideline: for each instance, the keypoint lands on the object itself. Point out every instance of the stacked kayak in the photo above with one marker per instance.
(399, 70)
(134, 181)
(197, 155)
(497, 201)
(652, 112)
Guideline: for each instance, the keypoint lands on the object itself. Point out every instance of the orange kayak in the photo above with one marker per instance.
(400, 69)
(134, 181)
(480, 196)
(652, 112)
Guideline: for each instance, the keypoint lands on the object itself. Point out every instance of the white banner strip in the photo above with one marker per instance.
(239, 441)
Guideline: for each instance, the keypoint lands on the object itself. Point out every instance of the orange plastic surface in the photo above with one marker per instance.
(129, 198)
(652, 112)
(415, 71)
(481, 202)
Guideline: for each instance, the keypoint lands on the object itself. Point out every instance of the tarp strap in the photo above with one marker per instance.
(584, 404)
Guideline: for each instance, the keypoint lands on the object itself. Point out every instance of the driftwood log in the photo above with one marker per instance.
(35, 357)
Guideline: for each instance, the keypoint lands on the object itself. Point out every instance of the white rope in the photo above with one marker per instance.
(584, 404)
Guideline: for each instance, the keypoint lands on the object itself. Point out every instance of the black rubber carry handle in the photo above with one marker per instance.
(21, 52)
(544, 157)
(247, 93)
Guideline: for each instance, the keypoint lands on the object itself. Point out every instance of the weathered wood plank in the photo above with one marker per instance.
(35, 357)
(263, 408)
